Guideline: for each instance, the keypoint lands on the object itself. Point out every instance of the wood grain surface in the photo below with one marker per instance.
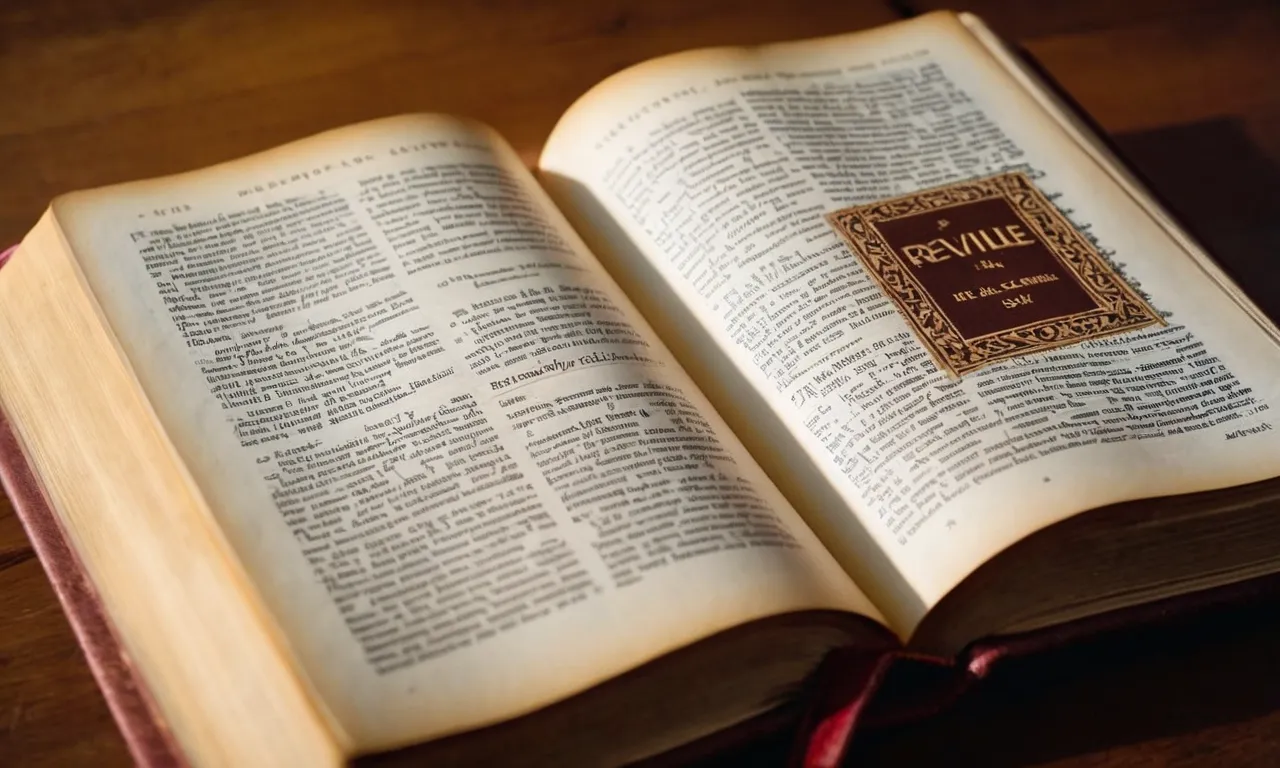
(96, 92)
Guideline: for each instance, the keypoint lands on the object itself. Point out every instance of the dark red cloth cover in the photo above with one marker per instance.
(847, 682)
(148, 739)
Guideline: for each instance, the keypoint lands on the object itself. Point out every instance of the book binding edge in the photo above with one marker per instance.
(147, 737)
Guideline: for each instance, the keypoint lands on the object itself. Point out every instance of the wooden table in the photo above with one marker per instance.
(101, 92)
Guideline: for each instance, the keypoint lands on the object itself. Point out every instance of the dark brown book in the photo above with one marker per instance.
(795, 364)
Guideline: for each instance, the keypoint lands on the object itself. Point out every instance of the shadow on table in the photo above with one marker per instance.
(1225, 190)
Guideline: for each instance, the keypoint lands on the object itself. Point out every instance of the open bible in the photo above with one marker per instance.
(380, 441)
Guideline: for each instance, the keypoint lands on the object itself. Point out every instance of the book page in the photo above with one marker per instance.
(704, 178)
(466, 477)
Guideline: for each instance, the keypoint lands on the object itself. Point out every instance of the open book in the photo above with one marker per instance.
(378, 440)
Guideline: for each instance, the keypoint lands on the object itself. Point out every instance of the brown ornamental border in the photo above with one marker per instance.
(1118, 307)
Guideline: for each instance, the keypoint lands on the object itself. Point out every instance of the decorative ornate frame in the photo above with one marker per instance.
(1118, 307)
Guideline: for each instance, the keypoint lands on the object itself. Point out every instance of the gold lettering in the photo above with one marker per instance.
(918, 253)
(978, 241)
(942, 243)
(1019, 237)
(1017, 301)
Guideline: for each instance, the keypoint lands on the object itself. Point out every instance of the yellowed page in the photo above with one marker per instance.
(178, 603)
(465, 476)
(704, 178)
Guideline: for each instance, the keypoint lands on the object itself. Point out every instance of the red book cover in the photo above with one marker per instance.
(853, 691)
